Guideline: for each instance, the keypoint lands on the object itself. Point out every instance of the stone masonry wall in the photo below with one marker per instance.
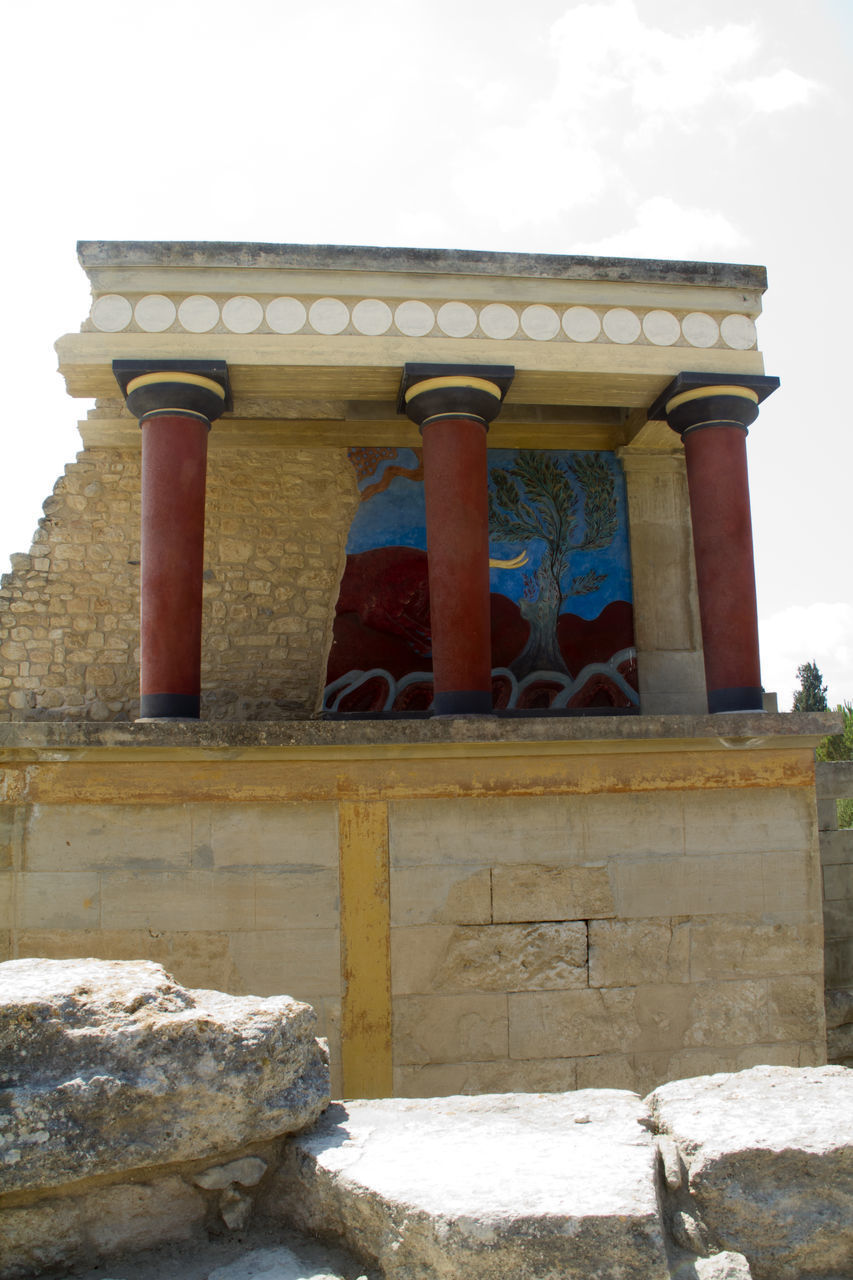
(277, 522)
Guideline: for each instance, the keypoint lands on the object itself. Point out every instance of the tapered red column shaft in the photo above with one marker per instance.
(174, 467)
(722, 541)
(453, 406)
(175, 404)
(712, 413)
(457, 516)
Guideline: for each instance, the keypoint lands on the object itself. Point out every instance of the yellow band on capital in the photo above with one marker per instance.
(700, 393)
(190, 379)
(436, 384)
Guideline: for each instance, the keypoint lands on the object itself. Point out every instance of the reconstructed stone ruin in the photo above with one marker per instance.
(135, 1113)
(444, 711)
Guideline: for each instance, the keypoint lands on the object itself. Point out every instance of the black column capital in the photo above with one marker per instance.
(696, 400)
(432, 391)
(199, 388)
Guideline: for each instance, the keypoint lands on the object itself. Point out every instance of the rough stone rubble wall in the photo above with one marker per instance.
(277, 522)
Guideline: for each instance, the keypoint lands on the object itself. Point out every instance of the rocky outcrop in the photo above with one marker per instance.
(767, 1158)
(483, 1188)
(111, 1066)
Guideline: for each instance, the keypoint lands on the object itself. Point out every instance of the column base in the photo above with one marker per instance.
(462, 702)
(746, 698)
(169, 706)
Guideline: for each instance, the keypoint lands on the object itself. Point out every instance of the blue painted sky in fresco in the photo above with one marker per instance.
(396, 517)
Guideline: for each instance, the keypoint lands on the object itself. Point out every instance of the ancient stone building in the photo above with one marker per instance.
(445, 710)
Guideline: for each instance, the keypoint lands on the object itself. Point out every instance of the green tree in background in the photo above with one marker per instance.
(840, 747)
(811, 695)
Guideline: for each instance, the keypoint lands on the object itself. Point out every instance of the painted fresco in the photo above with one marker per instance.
(562, 618)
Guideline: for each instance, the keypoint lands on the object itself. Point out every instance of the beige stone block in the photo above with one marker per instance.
(445, 894)
(486, 832)
(725, 948)
(721, 884)
(662, 1016)
(7, 835)
(673, 676)
(752, 820)
(296, 899)
(58, 900)
(605, 1071)
(728, 1013)
(625, 953)
(780, 1054)
(167, 900)
(571, 1024)
(536, 892)
(446, 1079)
(86, 837)
(795, 1009)
(838, 882)
(498, 957)
(836, 847)
(194, 959)
(838, 918)
(838, 962)
(304, 963)
(98, 1222)
(626, 823)
(448, 1028)
(662, 585)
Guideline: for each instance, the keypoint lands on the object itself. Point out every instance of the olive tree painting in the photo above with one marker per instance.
(560, 587)
(570, 506)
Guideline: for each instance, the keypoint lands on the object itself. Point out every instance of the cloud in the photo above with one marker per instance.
(785, 88)
(821, 633)
(665, 229)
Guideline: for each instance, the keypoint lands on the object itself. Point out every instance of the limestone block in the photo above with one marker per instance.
(491, 957)
(306, 962)
(753, 820)
(296, 897)
(720, 1266)
(570, 1023)
(101, 1221)
(440, 895)
(177, 900)
(242, 835)
(720, 884)
(838, 962)
(838, 918)
(605, 1071)
(443, 1079)
(486, 832)
(625, 953)
(836, 847)
(729, 948)
(536, 892)
(450, 1028)
(58, 899)
(838, 881)
(195, 959)
(62, 837)
(483, 1188)
(112, 1066)
(625, 824)
(769, 1158)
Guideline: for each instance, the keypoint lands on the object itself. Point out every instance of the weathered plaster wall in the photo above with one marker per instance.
(277, 521)
(475, 917)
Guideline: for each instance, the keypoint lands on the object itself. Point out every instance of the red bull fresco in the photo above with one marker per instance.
(561, 604)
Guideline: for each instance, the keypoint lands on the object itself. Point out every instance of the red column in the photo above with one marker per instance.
(712, 414)
(175, 405)
(174, 469)
(453, 406)
(457, 515)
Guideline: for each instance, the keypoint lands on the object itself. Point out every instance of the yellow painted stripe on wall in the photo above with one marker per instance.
(160, 782)
(365, 950)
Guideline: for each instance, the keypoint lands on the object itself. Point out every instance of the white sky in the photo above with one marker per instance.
(707, 129)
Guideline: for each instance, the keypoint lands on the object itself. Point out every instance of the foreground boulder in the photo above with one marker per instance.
(483, 1188)
(768, 1155)
(110, 1066)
